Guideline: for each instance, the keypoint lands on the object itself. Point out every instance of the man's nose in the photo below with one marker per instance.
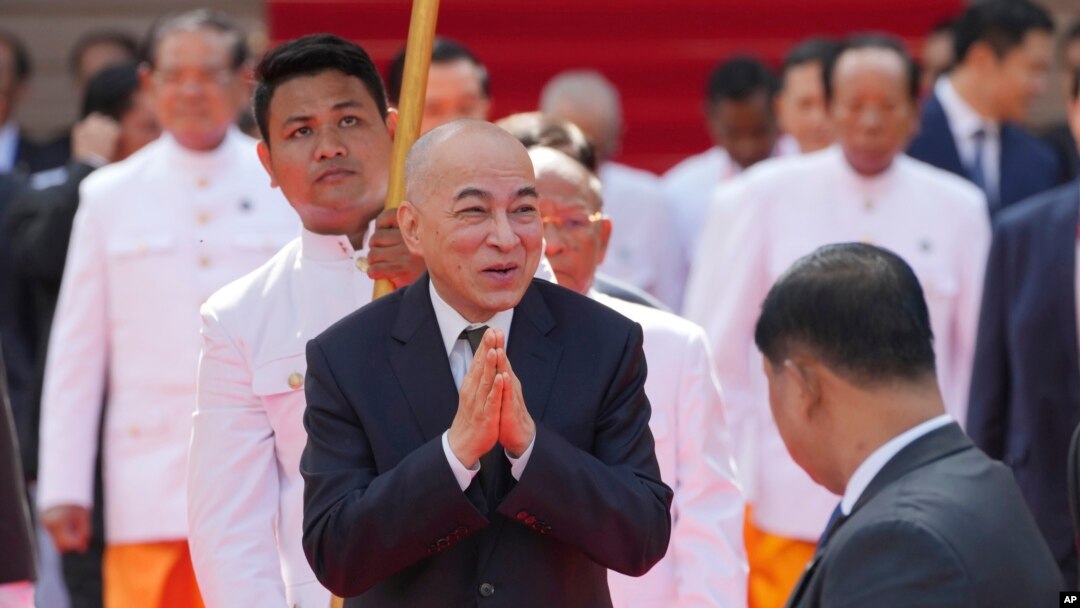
(330, 145)
(502, 234)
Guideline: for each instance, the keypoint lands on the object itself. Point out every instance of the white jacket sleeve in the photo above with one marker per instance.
(233, 487)
(76, 367)
(707, 538)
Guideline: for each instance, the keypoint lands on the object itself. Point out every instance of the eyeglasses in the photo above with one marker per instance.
(571, 223)
(202, 77)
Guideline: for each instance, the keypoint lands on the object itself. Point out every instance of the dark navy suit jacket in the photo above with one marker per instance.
(384, 517)
(1025, 387)
(1028, 165)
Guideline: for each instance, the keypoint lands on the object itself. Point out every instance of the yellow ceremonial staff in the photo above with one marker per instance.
(411, 106)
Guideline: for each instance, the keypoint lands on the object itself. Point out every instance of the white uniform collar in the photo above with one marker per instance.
(877, 460)
(185, 159)
(329, 247)
(451, 323)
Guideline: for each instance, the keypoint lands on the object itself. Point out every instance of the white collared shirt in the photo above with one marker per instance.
(877, 459)
(9, 146)
(964, 122)
(451, 324)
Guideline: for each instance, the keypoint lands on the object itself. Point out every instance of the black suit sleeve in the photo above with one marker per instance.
(16, 538)
(361, 526)
(38, 225)
(895, 564)
(988, 414)
(611, 503)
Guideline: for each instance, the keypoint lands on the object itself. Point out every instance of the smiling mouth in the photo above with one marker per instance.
(501, 271)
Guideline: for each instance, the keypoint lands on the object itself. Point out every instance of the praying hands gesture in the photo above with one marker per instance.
(491, 408)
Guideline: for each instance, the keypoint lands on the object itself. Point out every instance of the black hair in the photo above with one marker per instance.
(1002, 24)
(443, 50)
(208, 19)
(112, 91)
(116, 38)
(857, 307)
(534, 129)
(20, 55)
(815, 49)
(1076, 85)
(737, 79)
(307, 56)
(874, 41)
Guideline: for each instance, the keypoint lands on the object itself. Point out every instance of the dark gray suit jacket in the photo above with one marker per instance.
(941, 525)
(384, 518)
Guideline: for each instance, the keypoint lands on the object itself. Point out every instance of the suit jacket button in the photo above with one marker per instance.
(487, 590)
(522, 515)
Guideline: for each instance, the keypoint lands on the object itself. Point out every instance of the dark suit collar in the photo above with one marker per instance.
(533, 355)
(931, 447)
(939, 147)
(1060, 235)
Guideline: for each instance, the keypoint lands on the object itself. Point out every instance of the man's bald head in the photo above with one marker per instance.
(582, 184)
(590, 101)
(444, 147)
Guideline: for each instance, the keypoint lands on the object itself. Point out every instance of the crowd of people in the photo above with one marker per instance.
(870, 274)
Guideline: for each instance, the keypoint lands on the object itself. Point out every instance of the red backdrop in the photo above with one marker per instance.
(658, 52)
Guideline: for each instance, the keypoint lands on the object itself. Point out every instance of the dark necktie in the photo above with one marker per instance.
(490, 463)
(977, 169)
(835, 520)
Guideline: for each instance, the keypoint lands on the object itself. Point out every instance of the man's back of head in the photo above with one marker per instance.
(590, 101)
(849, 355)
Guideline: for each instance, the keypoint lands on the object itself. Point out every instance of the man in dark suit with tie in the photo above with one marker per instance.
(926, 519)
(1025, 384)
(1004, 52)
(17, 569)
(515, 480)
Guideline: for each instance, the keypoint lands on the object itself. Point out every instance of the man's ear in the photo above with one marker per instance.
(605, 238)
(264, 157)
(805, 376)
(391, 122)
(409, 224)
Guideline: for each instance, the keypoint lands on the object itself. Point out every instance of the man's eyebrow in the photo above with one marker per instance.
(473, 192)
(342, 105)
(527, 191)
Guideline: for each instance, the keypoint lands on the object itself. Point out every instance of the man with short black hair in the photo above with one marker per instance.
(801, 111)
(866, 189)
(154, 236)
(1024, 386)
(457, 85)
(741, 123)
(1003, 55)
(925, 518)
(326, 140)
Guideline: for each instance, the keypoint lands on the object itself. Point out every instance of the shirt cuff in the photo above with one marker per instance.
(463, 475)
(517, 465)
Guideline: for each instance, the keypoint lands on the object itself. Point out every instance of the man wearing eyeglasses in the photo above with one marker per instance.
(155, 235)
(705, 564)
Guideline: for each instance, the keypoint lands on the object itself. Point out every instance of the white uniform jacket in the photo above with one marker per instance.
(783, 209)
(245, 493)
(643, 250)
(706, 563)
(154, 237)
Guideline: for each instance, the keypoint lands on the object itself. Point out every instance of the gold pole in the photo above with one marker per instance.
(410, 106)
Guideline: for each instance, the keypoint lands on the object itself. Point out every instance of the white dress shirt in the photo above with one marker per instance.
(964, 122)
(869, 468)
(460, 355)
(9, 146)
(644, 249)
(706, 563)
(783, 209)
(155, 235)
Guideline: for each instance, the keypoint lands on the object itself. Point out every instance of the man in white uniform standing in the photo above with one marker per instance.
(705, 564)
(155, 235)
(864, 189)
(645, 252)
(327, 136)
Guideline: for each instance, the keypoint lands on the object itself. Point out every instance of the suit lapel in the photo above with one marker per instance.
(420, 363)
(533, 356)
(1011, 168)
(939, 147)
(1061, 235)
